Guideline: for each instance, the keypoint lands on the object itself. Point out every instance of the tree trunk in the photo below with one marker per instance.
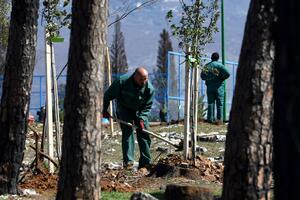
(248, 155)
(286, 102)
(80, 167)
(15, 101)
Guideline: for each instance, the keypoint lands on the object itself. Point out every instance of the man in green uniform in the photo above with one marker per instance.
(134, 95)
(214, 74)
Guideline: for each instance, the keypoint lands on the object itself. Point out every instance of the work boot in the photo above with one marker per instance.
(147, 166)
(128, 166)
(218, 122)
(146, 170)
(208, 121)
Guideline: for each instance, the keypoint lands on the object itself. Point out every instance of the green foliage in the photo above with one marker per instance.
(56, 16)
(196, 27)
(201, 109)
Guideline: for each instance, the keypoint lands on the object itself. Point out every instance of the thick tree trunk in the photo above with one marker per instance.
(287, 101)
(80, 167)
(20, 60)
(248, 155)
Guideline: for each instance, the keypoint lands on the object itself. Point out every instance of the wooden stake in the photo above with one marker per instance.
(56, 105)
(195, 115)
(49, 117)
(36, 150)
(111, 122)
(187, 108)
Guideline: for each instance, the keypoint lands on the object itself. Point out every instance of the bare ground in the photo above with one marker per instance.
(114, 178)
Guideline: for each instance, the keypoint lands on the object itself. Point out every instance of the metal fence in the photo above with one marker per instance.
(176, 85)
(38, 91)
(172, 94)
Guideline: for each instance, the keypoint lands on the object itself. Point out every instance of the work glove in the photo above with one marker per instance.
(106, 114)
(141, 124)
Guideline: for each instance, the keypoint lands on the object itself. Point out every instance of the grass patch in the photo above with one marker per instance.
(115, 195)
(159, 194)
(213, 148)
(202, 127)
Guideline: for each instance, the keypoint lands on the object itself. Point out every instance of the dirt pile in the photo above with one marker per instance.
(40, 182)
(174, 166)
(107, 185)
(115, 180)
(130, 181)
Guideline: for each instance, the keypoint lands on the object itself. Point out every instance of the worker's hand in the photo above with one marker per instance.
(141, 124)
(106, 114)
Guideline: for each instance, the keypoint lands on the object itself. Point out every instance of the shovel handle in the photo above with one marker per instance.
(146, 131)
(160, 137)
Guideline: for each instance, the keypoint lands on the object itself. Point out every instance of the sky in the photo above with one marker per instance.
(141, 30)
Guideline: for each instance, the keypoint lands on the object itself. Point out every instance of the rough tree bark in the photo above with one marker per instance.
(286, 102)
(79, 176)
(20, 60)
(4, 29)
(248, 154)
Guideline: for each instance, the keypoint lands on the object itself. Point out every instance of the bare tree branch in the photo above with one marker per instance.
(125, 7)
(146, 3)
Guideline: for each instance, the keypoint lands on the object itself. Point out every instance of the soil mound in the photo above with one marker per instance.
(174, 166)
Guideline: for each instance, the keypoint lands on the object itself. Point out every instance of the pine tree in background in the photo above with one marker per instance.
(160, 73)
(117, 51)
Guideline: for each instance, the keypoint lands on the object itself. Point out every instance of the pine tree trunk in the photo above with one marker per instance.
(80, 167)
(286, 102)
(15, 101)
(248, 154)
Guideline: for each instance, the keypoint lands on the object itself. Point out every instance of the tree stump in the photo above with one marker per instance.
(166, 170)
(186, 192)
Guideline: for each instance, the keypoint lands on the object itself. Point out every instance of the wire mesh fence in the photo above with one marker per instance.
(176, 85)
(171, 93)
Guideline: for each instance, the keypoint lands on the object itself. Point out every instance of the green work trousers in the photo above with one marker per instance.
(128, 142)
(215, 96)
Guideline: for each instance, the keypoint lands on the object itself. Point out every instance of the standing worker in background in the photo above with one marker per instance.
(134, 95)
(214, 74)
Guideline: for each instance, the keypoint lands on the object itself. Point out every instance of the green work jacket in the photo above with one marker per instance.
(130, 96)
(214, 74)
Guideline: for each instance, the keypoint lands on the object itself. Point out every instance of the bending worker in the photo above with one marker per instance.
(214, 74)
(134, 95)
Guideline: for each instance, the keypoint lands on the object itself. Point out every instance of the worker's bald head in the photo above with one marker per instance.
(141, 71)
(141, 76)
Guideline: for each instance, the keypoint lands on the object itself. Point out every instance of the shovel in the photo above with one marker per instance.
(178, 147)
